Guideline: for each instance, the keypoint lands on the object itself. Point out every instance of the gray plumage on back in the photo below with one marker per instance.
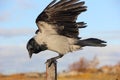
(58, 30)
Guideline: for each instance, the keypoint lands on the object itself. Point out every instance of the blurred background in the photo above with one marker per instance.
(17, 26)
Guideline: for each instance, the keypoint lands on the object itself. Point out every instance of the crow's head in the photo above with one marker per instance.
(34, 47)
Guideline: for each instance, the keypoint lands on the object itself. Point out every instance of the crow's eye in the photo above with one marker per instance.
(29, 46)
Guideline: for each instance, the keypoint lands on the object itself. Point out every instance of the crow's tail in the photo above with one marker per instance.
(91, 42)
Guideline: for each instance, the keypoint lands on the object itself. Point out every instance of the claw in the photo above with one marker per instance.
(53, 60)
(50, 61)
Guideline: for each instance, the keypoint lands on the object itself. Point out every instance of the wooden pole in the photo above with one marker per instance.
(51, 71)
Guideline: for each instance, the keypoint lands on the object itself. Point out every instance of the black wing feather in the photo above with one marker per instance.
(64, 13)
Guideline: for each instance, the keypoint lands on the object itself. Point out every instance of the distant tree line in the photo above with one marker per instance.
(84, 65)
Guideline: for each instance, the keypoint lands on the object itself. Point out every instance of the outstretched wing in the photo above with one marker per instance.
(64, 13)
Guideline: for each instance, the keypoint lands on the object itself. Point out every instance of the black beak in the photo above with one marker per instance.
(30, 53)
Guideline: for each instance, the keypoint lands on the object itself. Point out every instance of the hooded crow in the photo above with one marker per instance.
(58, 30)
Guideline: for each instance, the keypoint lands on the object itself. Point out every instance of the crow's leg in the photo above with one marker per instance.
(52, 60)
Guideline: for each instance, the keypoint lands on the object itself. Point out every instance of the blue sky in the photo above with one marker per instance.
(17, 26)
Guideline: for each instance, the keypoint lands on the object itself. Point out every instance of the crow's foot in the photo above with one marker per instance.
(50, 61)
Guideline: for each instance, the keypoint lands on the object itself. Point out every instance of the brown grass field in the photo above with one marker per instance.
(83, 76)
